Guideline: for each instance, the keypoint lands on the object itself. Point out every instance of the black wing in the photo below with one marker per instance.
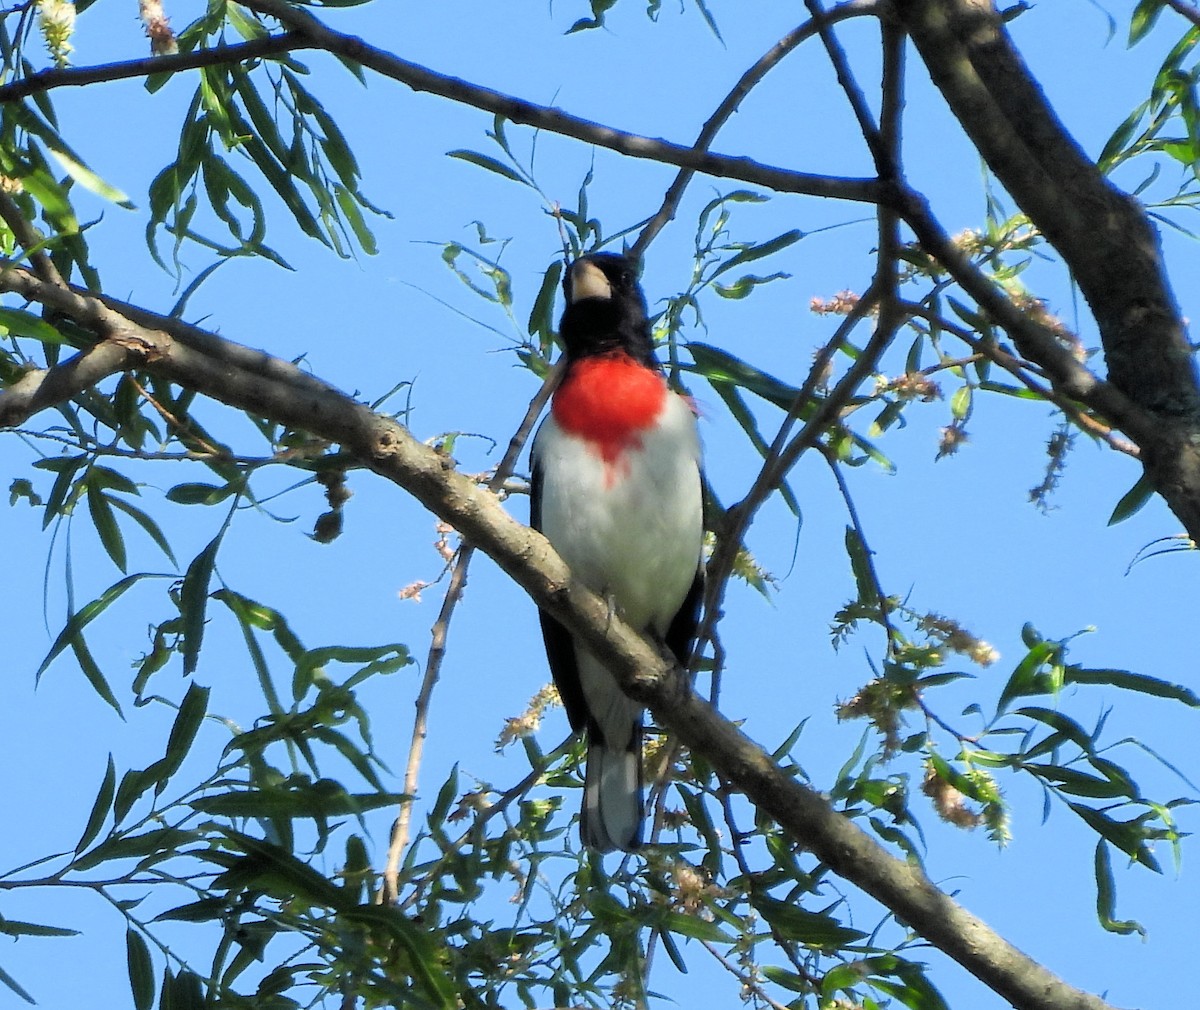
(684, 625)
(560, 648)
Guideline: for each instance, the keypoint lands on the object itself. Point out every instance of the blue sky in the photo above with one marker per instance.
(957, 535)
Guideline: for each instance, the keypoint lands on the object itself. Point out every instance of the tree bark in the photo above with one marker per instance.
(1103, 234)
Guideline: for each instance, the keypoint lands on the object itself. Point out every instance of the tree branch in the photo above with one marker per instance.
(1104, 237)
(74, 77)
(767, 62)
(386, 447)
(633, 145)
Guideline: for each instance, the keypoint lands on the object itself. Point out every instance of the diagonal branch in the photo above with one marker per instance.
(552, 120)
(385, 446)
(1103, 235)
(767, 62)
(74, 77)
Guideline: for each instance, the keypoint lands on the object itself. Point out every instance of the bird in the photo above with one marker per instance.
(616, 488)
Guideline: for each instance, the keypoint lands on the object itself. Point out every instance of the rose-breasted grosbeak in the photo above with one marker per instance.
(617, 491)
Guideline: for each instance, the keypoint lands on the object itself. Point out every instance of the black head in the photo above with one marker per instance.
(606, 310)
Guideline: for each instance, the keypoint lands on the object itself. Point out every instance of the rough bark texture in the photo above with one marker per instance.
(1103, 234)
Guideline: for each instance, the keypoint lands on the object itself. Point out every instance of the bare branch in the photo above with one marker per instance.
(437, 648)
(556, 121)
(767, 62)
(74, 77)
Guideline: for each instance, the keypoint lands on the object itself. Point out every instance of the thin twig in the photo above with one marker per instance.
(1188, 10)
(550, 120)
(767, 62)
(739, 516)
(748, 982)
(437, 647)
(66, 77)
(880, 154)
(28, 238)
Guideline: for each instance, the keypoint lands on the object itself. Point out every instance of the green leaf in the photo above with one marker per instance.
(199, 494)
(88, 179)
(141, 970)
(297, 878)
(541, 316)
(488, 163)
(1128, 836)
(1132, 500)
(20, 323)
(1143, 18)
(720, 367)
(1106, 896)
(204, 910)
(193, 602)
(1128, 681)
(91, 670)
(146, 523)
(428, 972)
(183, 732)
(1025, 680)
(322, 799)
(745, 284)
(960, 403)
(100, 808)
(89, 612)
(814, 929)
(8, 980)
(13, 927)
(100, 509)
(757, 252)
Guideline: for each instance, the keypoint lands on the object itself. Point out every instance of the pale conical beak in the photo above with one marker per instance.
(588, 281)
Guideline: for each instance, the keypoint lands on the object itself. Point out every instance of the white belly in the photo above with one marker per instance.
(632, 529)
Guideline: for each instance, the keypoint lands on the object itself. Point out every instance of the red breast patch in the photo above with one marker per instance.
(609, 400)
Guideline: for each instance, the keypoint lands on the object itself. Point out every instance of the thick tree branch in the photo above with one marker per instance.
(1103, 235)
(385, 446)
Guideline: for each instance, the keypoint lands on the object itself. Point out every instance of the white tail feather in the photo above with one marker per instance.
(612, 797)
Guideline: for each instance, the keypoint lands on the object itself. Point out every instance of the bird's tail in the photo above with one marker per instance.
(612, 796)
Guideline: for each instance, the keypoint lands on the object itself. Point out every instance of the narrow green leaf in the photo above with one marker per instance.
(100, 509)
(1143, 18)
(183, 732)
(488, 163)
(1106, 896)
(89, 612)
(960, 403)
(1128, 681)
(141, 970)
(1132, 500)
(193, 602)
(428, 971)
(100, 808)
(204, 910)
(1024, 679)
(20, 323)
(541, 317)
(1128, 836)
(146, 523)
(8, 980)
(757, 252)
(14, 927)
(88, 179)
(199, 494)
(91, 670)
(814, 929)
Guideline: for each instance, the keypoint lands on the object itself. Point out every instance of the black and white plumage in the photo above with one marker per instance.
(617, 492)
